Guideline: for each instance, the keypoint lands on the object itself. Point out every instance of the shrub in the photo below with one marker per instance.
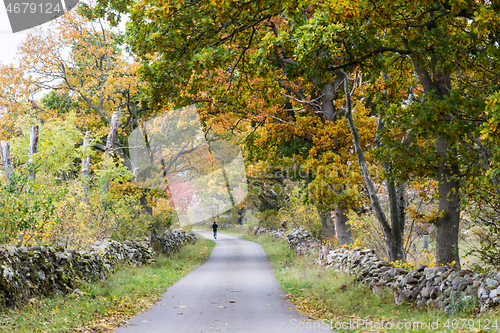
(54, 209)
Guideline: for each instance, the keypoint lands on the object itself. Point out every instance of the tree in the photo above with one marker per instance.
(83, 67)
(241, 80)
(278, 63)
(80, 68)
(443, 44)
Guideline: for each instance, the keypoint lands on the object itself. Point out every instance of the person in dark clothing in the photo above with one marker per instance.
(215, 226)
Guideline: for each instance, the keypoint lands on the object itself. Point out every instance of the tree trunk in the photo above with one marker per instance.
(241, 215)
(6, 161)
(33, 148)
(397, 205)
(143, 201)
(327, 106)
(342, 229)
(340, 226)
(449, 208)
(448, 223)
(379, 213)
(327, 222)
(110, 142)
(86, 169)
(397, 222)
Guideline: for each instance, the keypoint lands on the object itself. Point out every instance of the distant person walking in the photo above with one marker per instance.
(215, 226)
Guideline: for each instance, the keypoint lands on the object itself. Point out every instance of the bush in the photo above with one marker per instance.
(298, 214)
(28, 209)
(60, 209)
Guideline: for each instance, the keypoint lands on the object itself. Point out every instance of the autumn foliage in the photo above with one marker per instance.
(377, 120)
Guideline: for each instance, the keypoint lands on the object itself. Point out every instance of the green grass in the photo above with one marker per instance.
(106, 304)
(321, 293)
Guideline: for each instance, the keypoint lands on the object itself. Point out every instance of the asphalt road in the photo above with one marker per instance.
(234, 291)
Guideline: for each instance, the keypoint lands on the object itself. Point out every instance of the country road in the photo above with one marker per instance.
(234, 291)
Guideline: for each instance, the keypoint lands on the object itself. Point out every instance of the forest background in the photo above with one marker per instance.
(369, 123)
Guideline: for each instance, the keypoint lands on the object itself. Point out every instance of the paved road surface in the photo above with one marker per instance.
(234, 291)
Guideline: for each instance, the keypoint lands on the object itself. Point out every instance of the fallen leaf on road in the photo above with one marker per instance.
(180, 313)
(232, 301)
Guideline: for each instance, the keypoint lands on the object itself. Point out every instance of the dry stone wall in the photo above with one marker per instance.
(237, 227)
(37, 270)
(440, 287)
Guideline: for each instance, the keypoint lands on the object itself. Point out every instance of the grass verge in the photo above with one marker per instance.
(104, 305)
(321, 293)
